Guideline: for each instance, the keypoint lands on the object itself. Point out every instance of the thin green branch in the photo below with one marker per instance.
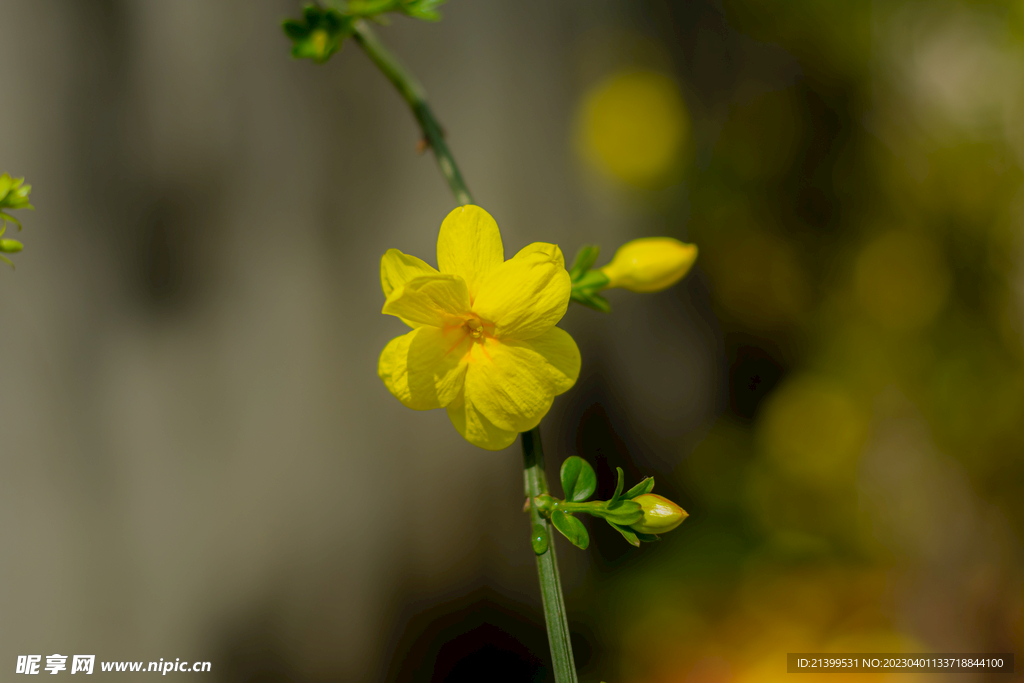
(416, 98)
(533, 454)
(547, 564)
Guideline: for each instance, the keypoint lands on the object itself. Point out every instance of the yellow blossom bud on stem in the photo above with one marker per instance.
(650, 264)
(660, 514)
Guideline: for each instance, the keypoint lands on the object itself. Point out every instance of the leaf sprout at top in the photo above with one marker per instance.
(13, 195)
(320, 32)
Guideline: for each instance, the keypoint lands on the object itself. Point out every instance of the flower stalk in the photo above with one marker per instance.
(547, 564)
(533, 455)
(414, 95)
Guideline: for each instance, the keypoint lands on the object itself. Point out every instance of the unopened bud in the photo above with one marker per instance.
(660, 514)
(11, 246)
(650, 264)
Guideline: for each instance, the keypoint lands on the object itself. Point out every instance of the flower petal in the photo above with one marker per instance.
(436, 300)
(425, 368)
(526, 295)
(513, 382)
(477, 429)
(397, 268)
(469, 245)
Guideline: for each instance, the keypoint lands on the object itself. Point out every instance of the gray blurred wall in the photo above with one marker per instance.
(194, 444)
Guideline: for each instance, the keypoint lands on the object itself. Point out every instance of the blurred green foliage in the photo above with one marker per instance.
(860, 234)
(321, 30)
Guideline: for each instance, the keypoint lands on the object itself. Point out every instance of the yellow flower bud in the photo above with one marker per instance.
(660, 514)
(650, 264)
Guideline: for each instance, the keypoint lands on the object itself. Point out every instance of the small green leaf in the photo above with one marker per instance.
(295, 30)
(587, 283)
(422, 9)
(367, 8)
(646, 486)
(319, 34)
(7, 217)
(539, 539)
(585, 258)
(578, 479)
(571, 528)
(592, 300)
(627, 534)
(375, 9)
(616, 497)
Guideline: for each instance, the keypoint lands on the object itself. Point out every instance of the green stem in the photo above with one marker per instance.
(416, 98)
(594, 507)
(547, 565)
(533, 455)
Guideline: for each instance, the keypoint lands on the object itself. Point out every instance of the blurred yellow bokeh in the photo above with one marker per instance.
(812, 429)
(901, 280)
(633, 127)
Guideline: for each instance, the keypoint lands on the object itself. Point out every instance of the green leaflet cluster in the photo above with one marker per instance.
(579, 482)
(320, 32)
(13, 195)
(586, 283)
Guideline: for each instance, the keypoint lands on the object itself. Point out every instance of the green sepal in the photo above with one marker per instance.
(539, 539)
(615, 500)
(578, 479)
(7, 261)
(586, 283)
(590, 281)
(584, 260)
(646, 486)
(571, 528)
(647, 538)
(625, 513)
(591, 300)
(627, 534)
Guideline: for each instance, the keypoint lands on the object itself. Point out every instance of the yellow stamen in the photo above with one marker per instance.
(475, 328)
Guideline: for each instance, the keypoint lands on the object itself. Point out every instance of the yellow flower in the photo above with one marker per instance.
(661, 515)
(484, 343)
(650, 264)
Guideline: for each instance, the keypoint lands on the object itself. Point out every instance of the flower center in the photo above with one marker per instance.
(475, 328)
(478, 329)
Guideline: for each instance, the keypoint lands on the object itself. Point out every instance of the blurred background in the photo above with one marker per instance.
(197, 459)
